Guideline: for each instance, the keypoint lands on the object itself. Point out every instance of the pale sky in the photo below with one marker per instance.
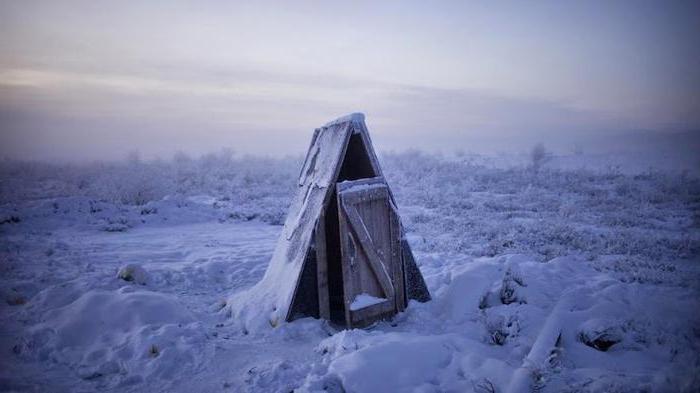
(97, 79)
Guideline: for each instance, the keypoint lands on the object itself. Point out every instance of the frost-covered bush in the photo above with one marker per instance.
(539, 156)
(253, 187)
(133, 273)
(454, 205)
(491, 211)
(601, 335)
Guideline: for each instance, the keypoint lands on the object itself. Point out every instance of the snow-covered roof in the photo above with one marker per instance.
(353, 117)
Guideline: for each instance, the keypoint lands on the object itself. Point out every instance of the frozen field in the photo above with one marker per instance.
(500, 245)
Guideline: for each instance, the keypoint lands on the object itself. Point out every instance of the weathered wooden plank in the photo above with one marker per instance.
(396, 260)
(345, 185)
(348, 287)
(370, 213)
(325, 305)
(365, 240)
(324, 308)
(295, 252)
(365, 280)
(367, 315)
(305, 167)
(364, 195)
(375, 225)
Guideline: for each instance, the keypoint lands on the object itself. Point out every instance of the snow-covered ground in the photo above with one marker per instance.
(115, 278)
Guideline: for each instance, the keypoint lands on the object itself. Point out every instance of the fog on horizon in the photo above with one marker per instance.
(85, 80)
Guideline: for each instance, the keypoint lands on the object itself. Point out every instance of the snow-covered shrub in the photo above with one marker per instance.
(131, 183)
(509, 288)
(255, 187)
(600, 334)
(12, 297)
(459, 206)
(539, 156)
(8, 218)
(499, 328)
(133, 273)
(483, 385)
(491, 210)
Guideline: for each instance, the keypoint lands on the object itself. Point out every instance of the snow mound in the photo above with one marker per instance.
(488, 316)
(120, 337)
(366, 370)
(83, 321)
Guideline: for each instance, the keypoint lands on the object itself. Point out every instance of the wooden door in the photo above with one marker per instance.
(373, 278)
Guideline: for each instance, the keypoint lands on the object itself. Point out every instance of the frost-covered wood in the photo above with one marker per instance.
(324, 310)
(305, 276)
(368, 242)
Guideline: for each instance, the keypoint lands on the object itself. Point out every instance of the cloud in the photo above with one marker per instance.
(160, 110)
(160, 78)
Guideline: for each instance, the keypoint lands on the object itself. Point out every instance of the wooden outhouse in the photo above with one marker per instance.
(342, 254)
